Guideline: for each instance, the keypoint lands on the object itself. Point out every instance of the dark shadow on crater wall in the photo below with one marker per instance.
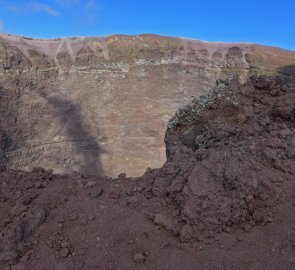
(85, 151)
(8, 124)
(69, 115)
(287, 70)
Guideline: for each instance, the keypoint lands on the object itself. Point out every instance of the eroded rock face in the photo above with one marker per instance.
(241, 147)
(101, 105)
(237, 165)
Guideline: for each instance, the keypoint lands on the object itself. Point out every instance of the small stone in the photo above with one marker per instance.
(164, 245)
(26, 257)
(114, 194)
(91, 217)
(48, 175)
(269, 219)
(64, 252)
(35, 218)
(102, 206)
(164, 222)
(39, 185)
(81, 252)
(186, 234)
(240, 238)
(80, 183)
(85, 176)
(122, 176)
(226, 229)
(95, 192)
(176, 213)
(38, 170)
(139, 258)
(247, 227)
(90, 184)
(60, 224)
(64, 244)
(268, 154)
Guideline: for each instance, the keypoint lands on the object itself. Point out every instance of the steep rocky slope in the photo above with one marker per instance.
(101, 105)
(224, 199)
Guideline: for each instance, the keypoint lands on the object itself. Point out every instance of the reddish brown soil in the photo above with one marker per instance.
(224, 199)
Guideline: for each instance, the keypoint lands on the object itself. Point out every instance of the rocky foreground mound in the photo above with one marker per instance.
(224, 199)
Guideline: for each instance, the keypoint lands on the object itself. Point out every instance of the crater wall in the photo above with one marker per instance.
(101, 105)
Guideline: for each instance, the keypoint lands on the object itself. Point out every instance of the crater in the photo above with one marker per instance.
(94, 114)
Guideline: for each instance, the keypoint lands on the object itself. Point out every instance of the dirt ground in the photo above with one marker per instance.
(60, 224)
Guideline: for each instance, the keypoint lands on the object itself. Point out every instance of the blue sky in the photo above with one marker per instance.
(270, 22)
